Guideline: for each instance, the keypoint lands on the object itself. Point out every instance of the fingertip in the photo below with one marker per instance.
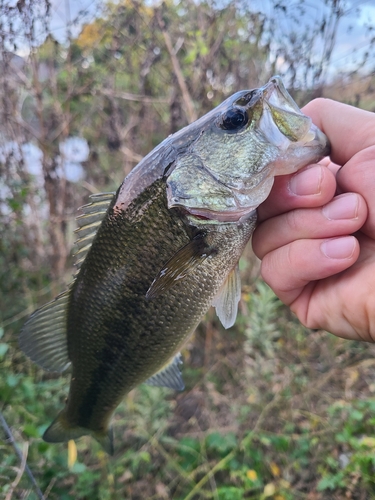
(339, 248)
(307, 181)
(348, 128)
(316, 107)
(287, 270)
(312, 186)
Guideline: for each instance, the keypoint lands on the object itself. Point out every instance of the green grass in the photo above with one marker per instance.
(271, 410)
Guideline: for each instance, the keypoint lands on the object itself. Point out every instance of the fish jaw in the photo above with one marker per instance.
(225, 175)
(283, 124)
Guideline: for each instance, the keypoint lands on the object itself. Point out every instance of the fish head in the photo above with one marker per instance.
(240, 146)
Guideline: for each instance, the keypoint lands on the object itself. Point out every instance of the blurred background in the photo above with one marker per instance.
(87, 88)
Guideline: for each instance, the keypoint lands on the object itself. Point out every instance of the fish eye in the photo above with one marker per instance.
(233, 119)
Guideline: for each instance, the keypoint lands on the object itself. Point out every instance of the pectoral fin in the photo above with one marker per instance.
(226, 301)
(184, 262)
(169, 375)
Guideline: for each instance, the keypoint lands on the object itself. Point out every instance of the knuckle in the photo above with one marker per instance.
(293, 220)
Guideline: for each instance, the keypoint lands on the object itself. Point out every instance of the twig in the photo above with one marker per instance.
(50, 486)
(209, 474)
(272, 404)
(131, 155)
(25, 312)
(155, 443)
(21, 456)
(127, 96)
(21, 470)
(190, 111)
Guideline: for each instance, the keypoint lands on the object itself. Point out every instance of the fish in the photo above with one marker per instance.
(155, 255)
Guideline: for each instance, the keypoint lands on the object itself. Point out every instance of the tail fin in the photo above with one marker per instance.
(62, 430)
(105, 439)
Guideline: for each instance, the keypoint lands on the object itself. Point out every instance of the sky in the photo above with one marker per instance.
(352, 37)
(70, 15)
(359, 14)
(66, 12)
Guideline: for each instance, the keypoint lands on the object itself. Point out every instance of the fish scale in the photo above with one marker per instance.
(145, 325)
(155, 255)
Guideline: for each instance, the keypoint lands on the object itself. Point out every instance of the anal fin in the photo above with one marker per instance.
(169, 376)
(226, 301)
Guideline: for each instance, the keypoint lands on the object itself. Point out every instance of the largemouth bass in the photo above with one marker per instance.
(156, 254)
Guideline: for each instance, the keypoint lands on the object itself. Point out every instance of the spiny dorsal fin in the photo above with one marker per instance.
(226, 301)
(169, 376)
(88, 222)
(43, 337)
(184, 262)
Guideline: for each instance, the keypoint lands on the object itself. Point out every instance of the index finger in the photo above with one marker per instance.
(349, 129)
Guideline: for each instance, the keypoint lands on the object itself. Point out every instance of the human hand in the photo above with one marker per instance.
(316, 236)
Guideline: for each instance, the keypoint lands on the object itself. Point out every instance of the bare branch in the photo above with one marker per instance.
(22, 458)
(132, 97)
(21, 470)
(190, 111)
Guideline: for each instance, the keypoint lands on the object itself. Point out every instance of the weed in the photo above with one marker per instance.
(271, 410)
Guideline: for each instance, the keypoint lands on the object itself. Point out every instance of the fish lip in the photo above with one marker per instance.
(320, 141)
(276, 88)
(228, 216)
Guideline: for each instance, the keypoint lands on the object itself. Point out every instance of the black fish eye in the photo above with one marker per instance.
(233, 119)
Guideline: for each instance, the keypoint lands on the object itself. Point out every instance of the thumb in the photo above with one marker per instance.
(357, 175)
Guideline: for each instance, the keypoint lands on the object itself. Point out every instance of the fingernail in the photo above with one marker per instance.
(306, 182)
(339, 248)
(342, 207)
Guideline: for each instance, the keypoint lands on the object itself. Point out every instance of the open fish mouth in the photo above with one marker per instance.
(255, 135)
(283, 122)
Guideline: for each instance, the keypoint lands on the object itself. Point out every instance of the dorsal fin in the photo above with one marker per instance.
(43, 337)
(169, 376)
(88, 222)
(228, 297)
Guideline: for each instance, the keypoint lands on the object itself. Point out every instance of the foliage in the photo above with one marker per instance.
(239, 430)
(271, 410)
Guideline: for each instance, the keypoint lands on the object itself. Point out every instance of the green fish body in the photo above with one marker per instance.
(155, 255)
